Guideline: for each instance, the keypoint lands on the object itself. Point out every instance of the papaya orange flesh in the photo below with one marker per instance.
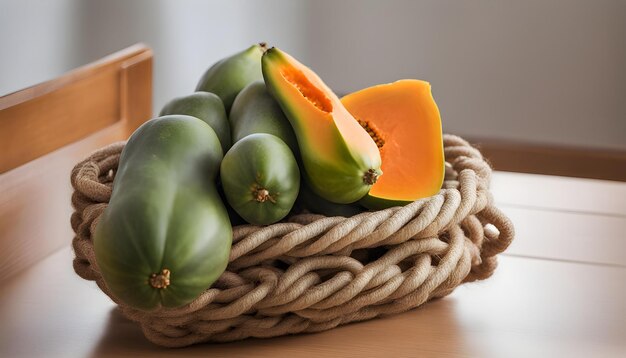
(404, 121)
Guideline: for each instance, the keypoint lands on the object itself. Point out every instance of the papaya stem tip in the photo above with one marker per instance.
(264, 47)
(370, 177)
(262, 195)
(161, 279)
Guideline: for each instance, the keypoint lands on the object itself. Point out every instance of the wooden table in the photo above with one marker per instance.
(560, 290)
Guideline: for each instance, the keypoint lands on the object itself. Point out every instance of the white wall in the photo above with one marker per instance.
(36, 41)
(187, 36)
(550, 71)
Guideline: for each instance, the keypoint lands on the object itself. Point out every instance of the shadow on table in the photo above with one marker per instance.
(430, 329)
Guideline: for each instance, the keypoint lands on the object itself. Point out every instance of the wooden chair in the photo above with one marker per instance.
(45, 130)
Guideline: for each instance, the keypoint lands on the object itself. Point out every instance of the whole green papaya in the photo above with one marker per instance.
(256, 111)
(165, 236)
(206, 106)
(261, 179)
(230, 75)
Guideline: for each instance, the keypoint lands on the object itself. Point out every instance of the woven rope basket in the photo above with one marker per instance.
(311, 273)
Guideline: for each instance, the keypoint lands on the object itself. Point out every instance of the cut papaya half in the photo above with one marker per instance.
(340, 160)
(404, 121)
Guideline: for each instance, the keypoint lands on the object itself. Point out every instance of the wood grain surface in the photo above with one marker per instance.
(40, 119)
(45, 130)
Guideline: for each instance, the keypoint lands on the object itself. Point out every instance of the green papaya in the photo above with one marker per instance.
(256, 111)
(260, 178)
(165, 237)
(206, 106)
(340, 159)
(307, 199)
(230, 75)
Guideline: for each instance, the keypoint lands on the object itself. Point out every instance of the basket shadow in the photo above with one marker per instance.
(416, 332)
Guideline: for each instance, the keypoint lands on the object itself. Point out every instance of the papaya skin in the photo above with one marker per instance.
(340, 160)
(256, 111)
(207, 107)
(227, 77)
(260, 178)
(165, 236)
(405, 122)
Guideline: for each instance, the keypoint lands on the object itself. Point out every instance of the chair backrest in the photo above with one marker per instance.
(45, 130)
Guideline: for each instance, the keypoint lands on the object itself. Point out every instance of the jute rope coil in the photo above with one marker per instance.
(311, 273)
